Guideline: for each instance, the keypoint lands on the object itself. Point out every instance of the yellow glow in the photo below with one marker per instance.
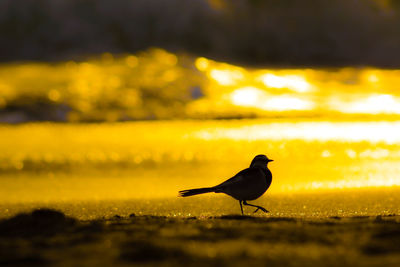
(248, 96)
(375, 154)
(373, 132)
(84, 86)
(254, 97)
(375, 181)
(284, 103)
(102, 89)
(201, 63)
(132, 61)
(54, 95)
(293, 82)
(373, 78)
(139, 156)
(322, 150)
(164, 57)
(226, 77)
(373, 104)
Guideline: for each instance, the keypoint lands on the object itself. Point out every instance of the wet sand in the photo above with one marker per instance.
(48, 237)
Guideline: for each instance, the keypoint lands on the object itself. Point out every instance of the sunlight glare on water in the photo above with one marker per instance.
(378, 131)
(373, 104)
(293, 82)
(147, 160)
(254, 97)
(347, 91)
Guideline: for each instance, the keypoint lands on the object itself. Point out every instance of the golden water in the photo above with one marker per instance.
(146, 163)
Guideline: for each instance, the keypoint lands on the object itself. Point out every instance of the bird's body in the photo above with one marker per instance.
(248, 184)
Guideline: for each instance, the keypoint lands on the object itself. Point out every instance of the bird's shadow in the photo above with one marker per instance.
(253, 218)
(236, 217)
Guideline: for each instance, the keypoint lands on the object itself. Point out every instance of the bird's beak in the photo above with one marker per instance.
(270, 160)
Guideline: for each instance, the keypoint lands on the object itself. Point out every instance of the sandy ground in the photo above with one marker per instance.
(48, 237)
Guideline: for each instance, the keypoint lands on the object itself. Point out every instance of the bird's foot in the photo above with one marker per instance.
(261, 208)
(258, 207)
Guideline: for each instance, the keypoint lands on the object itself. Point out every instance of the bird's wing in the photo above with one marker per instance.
(248, 184)
(241, 178)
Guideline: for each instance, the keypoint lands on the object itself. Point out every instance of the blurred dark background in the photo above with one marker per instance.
(267, 32)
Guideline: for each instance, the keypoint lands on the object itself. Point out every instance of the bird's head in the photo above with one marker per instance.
(260, 161)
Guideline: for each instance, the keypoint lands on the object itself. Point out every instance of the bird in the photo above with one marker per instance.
(248, 184)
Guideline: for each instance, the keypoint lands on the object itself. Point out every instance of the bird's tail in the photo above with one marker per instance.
(197, 191)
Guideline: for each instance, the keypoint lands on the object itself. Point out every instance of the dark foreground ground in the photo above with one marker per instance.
(48, 237)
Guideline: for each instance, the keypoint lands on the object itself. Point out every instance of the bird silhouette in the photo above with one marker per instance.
(248, 184)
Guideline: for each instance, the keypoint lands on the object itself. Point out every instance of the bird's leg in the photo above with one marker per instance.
(258, 207)
(241, 207)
